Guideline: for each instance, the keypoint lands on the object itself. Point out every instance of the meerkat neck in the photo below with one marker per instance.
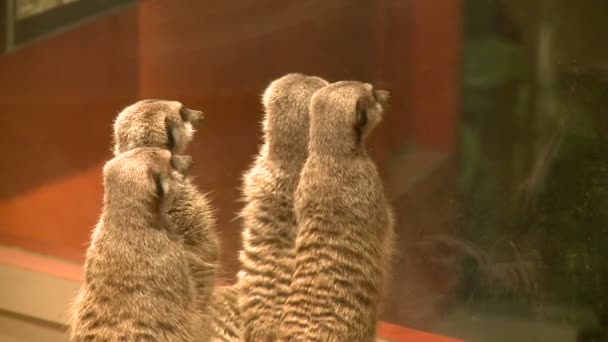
(336, 149)
(142, 219)
(287, 154)
(134, 213)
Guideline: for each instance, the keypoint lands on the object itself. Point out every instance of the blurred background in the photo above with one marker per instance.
(494, 151)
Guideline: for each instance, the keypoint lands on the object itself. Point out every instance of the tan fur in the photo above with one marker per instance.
(225, 314)
(268, 218)
(170, 125)
(147, 123)
(136, 282)
(345, 226)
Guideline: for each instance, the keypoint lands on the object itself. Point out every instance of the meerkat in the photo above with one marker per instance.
(268, 218)
(345, 224)
(136, 282)
(155, 123)
(224, 311)
(171, 125)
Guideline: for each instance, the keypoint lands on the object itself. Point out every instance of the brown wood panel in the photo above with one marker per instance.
(434, 41)
(205, 48)
(393, 70)
(55, 218)
(57, 101)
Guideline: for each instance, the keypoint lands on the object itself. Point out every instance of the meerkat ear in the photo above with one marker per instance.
(382, 96)
(170, 135)
(361, 118)
(190, 115)
(181, 163)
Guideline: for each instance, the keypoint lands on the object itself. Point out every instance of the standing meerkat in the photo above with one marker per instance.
(345, 224)
(171, 125)
(137, 285)
(268, 218)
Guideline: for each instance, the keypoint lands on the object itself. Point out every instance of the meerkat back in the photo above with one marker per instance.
(171, 125)
(225, 315)
(136, 282)
(268, 218)
(345, 228)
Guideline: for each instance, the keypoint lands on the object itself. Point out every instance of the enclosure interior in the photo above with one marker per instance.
(494, 151)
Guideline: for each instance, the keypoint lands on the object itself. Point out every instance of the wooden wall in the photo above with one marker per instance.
(58, 98)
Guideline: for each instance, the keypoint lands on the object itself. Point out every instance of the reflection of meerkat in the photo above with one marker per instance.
(136, 282)
(268, 218)
(345, 227)
(170, 125)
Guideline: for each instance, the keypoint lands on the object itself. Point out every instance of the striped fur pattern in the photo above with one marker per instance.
(171, 125)
(137, 285)
(194, 221)
(345, 225)
(268, 218)
(226, 322)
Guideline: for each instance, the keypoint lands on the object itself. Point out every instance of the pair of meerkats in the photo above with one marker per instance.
(317, 236)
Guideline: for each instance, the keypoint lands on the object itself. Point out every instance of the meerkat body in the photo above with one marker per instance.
(226, 319)
(268, 218)
(170, 125)
(345, 225)
(136, 282)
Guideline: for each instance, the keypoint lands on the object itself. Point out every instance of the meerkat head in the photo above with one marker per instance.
(155, 123)
(143, 179)
(286, 120)
(343, 114)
